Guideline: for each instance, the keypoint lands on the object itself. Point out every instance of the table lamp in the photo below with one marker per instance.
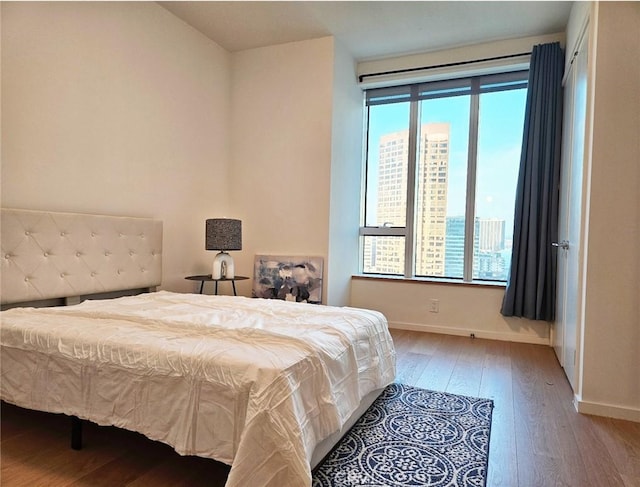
(223, 234)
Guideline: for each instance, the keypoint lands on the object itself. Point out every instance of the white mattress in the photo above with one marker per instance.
(254, 383)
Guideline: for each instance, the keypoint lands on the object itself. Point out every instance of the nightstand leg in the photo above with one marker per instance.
(76, 433)
(233, 283)
(216, 287)
(201, 286)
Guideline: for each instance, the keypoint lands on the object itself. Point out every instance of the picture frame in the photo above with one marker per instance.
(290, 278)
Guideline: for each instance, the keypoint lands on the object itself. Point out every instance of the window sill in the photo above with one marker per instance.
(430, 280)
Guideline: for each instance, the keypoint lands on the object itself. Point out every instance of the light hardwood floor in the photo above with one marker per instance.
(537, 438)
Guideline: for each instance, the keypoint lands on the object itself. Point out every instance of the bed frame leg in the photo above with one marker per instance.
(76, 433)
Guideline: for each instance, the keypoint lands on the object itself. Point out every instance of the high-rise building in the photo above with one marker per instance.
(386, 254)
(491, 232)
(454, 247)
(454, 262)
(489, 256)
(491, 266)
(431, 207)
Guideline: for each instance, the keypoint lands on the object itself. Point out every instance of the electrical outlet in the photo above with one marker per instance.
(434, 305)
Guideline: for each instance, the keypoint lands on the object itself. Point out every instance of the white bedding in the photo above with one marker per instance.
(253, 383)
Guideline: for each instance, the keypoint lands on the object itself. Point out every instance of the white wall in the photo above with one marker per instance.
(463, 309)
(116, 108)
(611, 335)
(346, 173)
(124, 109)
(281, 124)
(296, 130)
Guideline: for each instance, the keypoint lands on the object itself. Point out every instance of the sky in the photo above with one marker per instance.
(499, 144)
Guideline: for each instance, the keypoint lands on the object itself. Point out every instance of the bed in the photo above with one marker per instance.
(265, 386)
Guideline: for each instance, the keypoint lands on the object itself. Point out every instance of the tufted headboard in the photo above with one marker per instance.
(48, 255)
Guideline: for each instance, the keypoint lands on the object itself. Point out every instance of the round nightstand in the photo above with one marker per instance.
(207, 278)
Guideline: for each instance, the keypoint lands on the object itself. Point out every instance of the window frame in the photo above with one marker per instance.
(474, 86)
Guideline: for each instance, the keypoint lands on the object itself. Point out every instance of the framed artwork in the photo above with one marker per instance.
(289, 278)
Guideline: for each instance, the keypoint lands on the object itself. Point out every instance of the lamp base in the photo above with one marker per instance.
(223, 267)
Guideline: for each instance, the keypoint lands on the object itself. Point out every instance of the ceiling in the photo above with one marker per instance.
(371, 29)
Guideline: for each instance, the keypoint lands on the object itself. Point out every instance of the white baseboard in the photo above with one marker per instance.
(492, 335)
(607, 410)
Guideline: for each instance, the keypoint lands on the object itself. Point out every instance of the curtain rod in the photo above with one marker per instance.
(446, 65)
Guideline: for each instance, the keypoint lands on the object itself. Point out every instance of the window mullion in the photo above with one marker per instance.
(470, 210)
(409, 243)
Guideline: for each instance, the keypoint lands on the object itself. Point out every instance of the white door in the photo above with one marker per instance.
(563, 222)
(566, 333)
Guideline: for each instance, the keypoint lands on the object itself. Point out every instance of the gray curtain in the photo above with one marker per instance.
(531, 288)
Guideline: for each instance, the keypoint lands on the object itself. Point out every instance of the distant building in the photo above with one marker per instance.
(454, 245)
(490, 256)
(491, 234)
(454, 266)
(431, 209)
(386, 254)
(492, 266)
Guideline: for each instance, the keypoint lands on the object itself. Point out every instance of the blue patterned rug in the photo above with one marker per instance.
(413, 437)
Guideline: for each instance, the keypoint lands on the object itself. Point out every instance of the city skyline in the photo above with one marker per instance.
(502, 113)
(441, 184)
(439, 237)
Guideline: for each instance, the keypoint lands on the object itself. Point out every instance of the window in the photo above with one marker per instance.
(442, 167)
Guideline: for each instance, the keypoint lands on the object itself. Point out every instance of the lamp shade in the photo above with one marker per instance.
(223, 234)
